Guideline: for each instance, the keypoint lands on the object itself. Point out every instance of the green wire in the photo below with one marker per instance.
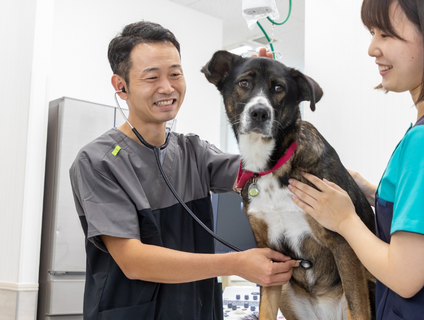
(277, 23)
(288, 15)
(269, 40)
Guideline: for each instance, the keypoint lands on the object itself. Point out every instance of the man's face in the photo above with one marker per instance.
(157, 85)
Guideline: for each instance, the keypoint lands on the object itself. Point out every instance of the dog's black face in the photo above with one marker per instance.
(261, 98)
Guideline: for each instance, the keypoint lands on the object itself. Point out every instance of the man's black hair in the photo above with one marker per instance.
(119, 51)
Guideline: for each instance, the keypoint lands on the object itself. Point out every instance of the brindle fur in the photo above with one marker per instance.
(336, 268)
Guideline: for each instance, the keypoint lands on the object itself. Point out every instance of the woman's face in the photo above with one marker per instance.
(400, 62)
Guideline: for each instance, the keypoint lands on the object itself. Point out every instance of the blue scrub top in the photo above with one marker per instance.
(403, 182)
(399, 206)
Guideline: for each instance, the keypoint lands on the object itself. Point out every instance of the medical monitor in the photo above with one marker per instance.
(231, 223)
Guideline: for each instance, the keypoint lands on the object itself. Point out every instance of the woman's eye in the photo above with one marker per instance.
(244, 84)
(278, 89)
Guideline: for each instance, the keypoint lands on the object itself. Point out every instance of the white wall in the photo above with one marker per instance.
(25, 31)
(362, 124)
(54, 48)
(83, 30)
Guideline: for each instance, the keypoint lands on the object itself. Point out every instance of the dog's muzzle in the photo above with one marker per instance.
(258, 120)
(259, 114)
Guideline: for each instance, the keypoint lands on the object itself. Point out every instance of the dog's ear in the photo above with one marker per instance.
(309, 88)
(216, 70)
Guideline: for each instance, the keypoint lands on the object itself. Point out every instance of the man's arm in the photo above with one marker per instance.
(152, 263)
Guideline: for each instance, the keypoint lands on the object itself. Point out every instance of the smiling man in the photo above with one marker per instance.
(146, 257)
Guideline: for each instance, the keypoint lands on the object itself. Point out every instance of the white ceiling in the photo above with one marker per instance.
(289, 37)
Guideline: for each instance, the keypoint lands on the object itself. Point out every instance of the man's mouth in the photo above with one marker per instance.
(165, 102)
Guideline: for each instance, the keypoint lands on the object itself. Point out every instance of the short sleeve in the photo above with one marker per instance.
(408, 211)
(106, 206)
(219, 167)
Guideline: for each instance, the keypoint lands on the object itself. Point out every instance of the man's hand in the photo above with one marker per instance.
(265, 267)
(157, 264)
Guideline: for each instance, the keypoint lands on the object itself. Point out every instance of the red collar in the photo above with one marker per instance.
(244, 176)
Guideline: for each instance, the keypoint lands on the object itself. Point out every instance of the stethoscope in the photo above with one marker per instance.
(305, 264)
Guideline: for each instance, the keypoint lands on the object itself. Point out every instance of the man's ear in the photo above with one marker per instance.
(216, 70)
(119, 84)
(309, 88)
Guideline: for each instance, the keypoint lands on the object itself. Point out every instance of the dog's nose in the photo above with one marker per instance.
(259, 114)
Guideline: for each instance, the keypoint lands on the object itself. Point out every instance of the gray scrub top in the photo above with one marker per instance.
(119, 191)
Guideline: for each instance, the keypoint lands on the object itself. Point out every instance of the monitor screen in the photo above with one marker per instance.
(231, 223)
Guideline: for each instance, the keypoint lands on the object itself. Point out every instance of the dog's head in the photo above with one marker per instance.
(261, 95)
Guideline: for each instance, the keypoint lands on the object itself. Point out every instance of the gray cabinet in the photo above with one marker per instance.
(72, 124)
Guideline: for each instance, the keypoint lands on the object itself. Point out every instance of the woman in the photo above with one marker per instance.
(396, 255)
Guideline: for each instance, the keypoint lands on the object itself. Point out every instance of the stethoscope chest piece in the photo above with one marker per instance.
(305, 264)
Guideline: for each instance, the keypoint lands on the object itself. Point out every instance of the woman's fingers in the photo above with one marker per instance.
(302, 192)
(334, 186)
(317, 182)
(304, 188)
(302, 205)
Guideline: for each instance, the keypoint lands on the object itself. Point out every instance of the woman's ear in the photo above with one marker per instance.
(120, 86)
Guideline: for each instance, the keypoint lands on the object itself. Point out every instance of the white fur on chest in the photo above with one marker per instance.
(255, 152)
(317, 308)
(275, 206)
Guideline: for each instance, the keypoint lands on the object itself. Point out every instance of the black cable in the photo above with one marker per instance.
(305, 264)
(156, 151)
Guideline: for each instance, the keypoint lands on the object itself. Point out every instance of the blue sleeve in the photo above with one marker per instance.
(408, 211)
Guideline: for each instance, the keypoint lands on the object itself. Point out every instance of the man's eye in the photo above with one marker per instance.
(278, 89)
(244, 84)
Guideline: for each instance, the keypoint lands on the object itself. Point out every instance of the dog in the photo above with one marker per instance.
(261, 98)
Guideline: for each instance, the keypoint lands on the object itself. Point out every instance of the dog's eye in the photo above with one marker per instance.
(244, 84)
(278, 89)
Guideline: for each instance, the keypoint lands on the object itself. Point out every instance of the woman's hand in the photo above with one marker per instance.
(331, 206)
(367, 188)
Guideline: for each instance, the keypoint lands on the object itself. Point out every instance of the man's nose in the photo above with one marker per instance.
(165, 87)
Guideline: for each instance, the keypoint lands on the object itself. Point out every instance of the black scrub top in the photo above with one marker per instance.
(119, 191)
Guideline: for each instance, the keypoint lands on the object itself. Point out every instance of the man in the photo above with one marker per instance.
(146, 258)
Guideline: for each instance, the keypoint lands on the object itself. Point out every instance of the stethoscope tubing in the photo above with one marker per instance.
(156, 151)
(305, 264)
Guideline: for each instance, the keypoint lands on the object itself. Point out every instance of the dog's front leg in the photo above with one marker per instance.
(354, 281)
(270, 297)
